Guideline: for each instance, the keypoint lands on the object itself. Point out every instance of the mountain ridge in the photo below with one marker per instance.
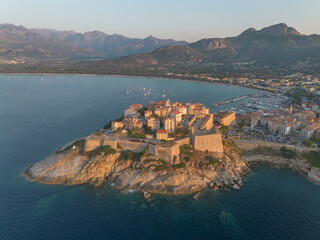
(19, 41)
(274, 44)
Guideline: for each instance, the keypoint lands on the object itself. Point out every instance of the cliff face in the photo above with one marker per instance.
(149, 174)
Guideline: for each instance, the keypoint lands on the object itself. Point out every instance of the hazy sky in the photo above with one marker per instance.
(188, 20)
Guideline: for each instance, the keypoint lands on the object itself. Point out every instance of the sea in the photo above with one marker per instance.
(39, 113)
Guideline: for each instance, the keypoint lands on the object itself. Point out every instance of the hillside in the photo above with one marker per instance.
(21, 42)
(277, 44)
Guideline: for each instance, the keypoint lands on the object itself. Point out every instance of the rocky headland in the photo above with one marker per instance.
(299, 165)
(142, 172)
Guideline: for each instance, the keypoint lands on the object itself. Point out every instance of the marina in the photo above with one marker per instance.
(253, 102)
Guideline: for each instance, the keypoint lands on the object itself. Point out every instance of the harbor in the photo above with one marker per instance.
(253, 102)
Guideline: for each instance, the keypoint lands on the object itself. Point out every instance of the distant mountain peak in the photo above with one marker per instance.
(150, 38)
(277, 30)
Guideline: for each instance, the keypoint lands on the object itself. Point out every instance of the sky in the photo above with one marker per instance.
(188, 20)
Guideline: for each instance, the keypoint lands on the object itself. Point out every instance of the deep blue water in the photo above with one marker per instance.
(36, 118)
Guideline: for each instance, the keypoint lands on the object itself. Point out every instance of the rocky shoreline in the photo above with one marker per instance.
(301, 166)
(152, 175)
(149, 174)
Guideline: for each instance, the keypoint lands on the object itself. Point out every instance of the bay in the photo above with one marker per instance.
(37, 116)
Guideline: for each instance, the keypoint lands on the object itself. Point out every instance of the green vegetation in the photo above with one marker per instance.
(229, 143)
(119, 146)
(211, 160)
(148, 130)
(142, 110)
(224, 128)
(107, 150)
(181, 133)
(313, 158)
(79, 143)
(129, 155)
(134, 133)
(287, 153)
(187, 150)
(163, 165)
(297, 95)
(307, 143)
(179, 165)
(166, 141)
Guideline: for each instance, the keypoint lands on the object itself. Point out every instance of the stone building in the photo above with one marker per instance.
(154, 123)
(169, 124)
(162, 134)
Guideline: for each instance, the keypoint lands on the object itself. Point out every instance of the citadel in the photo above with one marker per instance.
(161, 129)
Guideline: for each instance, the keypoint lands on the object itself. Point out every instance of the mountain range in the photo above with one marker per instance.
(21, 42)
(277, 48)
(277, 44)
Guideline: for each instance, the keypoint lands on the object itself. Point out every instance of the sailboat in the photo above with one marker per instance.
(128, 90)
(132, 89)
(42, 80)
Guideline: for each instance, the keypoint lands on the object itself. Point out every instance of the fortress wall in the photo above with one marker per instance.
(227, 119)
(92, 143)
(191, 129)
(207, 122)
(245, 144)
(111, 142)
(153, 149)
(253, 144)
(183, 141)
(210, 142)
(168, 154)
(133, 146)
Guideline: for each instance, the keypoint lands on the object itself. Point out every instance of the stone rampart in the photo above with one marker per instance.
(169, 154)
(111, 142)
(133, 146)
(225, 118)
(207, 123)
(183, 141)
(208, 142)
(249, 145)
(92, 143)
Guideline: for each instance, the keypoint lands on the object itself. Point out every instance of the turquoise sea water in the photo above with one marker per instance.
(36, 118)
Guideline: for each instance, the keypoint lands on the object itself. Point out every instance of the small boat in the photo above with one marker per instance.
(108, 114)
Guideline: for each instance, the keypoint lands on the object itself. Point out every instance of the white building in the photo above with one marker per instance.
(169, 124)
(177, 116)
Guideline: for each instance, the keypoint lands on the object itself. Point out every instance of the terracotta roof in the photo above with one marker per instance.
(162, 131)
(177, 112)
(136, 106)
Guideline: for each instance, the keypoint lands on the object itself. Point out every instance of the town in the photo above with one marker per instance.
(163, 128)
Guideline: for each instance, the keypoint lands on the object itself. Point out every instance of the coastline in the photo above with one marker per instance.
(139, 76)
(148, 175)
(302, 166)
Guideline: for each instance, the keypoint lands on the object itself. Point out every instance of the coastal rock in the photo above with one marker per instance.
(77, 167)
(295, 164)
(235, 186)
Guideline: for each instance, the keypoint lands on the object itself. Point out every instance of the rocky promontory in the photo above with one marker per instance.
(296, 164)
(141, 172)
